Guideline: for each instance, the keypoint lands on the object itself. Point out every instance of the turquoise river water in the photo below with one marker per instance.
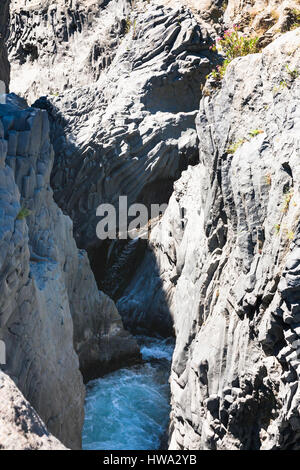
(129, 409)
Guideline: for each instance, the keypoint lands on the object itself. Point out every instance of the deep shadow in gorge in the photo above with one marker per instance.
(131, 260)
(114, 262)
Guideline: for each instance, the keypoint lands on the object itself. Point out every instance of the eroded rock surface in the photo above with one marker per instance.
(132, 125)
(20, 426)
(57, 45)
(50, 305)
(267, 19)
(227, 251)
(4, 64)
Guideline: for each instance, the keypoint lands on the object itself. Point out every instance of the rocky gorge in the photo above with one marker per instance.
(113, 98)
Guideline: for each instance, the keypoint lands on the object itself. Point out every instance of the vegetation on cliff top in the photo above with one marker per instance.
(233, 44)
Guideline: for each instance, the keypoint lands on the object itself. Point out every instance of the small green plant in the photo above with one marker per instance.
(219, 72)
(290, 235)
(234, 146)
(233, 44)
(255, 132)
(23, 213)
(283, 84)
(295, 18)
(286, 202)
(268, 179)
(128, 24)
(277, 228)
(292, 73)
(134, 29)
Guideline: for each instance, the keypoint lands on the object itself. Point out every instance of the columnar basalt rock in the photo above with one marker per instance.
(36, 324)
(239, 359)
(57, 45)
(227, 252)
(132, 125)
(51, 308)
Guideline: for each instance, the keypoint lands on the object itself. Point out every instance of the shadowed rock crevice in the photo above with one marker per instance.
(4, 63)
(132, 132)
(136, 125)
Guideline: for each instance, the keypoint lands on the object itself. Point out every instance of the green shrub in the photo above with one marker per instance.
(292, 73)
(128, 24)
(296, 19)
(283, 84)
(277, 228)
(286, 201)
(233, 44)
(234, 146)
(23, 213)
(255, 132)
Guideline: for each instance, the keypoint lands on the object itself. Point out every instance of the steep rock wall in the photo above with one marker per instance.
(20, 426)
(227, 252)
(36, 324)
(135, 126)
(4, 64)
(54, 46)
(50, 305)
(240, 358)
(126, 105)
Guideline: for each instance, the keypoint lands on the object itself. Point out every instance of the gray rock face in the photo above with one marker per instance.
(267, 19)
(144, 304)
(134, 127)
(4, 21)
(50, 306)
(227, 251)
(222, 266)
(36, 323)
(20, 426)
(56, 45)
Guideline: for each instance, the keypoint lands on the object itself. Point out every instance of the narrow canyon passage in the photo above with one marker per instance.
(129, 408)
(150, 185)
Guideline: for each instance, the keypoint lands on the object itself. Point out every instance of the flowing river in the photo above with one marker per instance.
(129, 409)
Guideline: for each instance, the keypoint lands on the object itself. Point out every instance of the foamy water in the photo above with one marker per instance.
(129, 409)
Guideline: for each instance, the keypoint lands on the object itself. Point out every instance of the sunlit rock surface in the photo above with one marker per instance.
(50, 306)
(20, 426)
(125, 125)
(231, 275)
